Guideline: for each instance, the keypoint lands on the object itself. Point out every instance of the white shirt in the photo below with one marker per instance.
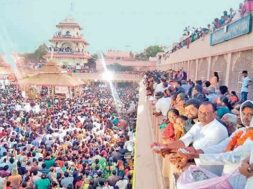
(163, 105)
(2, 181)
(219, 148)
(232, 157)
(122, 184)
(245, 83)
(207, 135)
(159, 88)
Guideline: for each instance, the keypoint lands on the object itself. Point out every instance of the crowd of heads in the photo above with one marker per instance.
(84, 142)
(186, 107)
(183, 93)
(192, 34)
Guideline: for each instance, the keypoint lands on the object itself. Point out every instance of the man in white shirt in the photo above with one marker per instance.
(162, 85)
(246, 82)
(216, 154)
(163, 105)
(207, 132)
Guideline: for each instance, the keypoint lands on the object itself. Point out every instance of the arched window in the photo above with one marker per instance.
(67, 33)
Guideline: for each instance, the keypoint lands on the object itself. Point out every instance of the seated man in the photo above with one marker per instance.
(207, 132)
(163, 103)
(191, 112)
(231, 150)
(238, 154)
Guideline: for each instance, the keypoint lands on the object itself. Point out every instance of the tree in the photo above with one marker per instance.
(38, 54)
(152, 51)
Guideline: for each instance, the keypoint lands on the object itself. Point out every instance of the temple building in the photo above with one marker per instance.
(68, 46)
(124, 58)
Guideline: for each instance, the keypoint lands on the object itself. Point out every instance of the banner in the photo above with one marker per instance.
(230, 31)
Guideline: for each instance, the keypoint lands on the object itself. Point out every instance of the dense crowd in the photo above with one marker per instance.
(203, 120)
(82, 143)
(192, 34)
(79, 68)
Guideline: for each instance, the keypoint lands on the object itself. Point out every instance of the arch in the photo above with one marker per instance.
(219, 64)
(240, 61)
(192, 70)
(203, 69)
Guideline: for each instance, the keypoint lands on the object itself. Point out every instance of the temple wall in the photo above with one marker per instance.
(201, 59)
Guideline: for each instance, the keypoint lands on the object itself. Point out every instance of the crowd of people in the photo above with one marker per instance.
(79, 68)
(203, 120)
(192, 34)
(82, 143)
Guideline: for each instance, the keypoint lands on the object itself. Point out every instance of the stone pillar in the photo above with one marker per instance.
(209, 67)
(196, 69)
(229, 59)
(188, 66)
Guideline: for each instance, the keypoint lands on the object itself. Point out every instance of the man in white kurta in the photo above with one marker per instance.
(207, 132)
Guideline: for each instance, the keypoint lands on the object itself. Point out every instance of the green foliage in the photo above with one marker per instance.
(119, 68)
(38, 54)
(150, 51)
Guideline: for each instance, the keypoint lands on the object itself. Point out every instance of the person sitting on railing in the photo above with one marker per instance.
(225, 17)
(248, 6)
(216, 23)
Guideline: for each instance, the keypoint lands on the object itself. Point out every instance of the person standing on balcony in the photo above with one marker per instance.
(246, 82)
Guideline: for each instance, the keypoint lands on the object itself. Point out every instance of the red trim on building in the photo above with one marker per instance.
(67, 25)
(73, 39)
(79, 56)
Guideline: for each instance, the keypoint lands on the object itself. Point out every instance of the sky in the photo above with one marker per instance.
(130, 25)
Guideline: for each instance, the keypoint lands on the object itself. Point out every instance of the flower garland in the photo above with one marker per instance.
(239, 139)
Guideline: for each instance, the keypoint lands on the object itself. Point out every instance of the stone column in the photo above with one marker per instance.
(196, 69)
(229, 59)
(209, 67)
(188, 67)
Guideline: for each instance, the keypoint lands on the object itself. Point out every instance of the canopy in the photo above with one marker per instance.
(51, 80)
(51, 75)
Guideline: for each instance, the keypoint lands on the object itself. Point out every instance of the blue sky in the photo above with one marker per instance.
(108, 24)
